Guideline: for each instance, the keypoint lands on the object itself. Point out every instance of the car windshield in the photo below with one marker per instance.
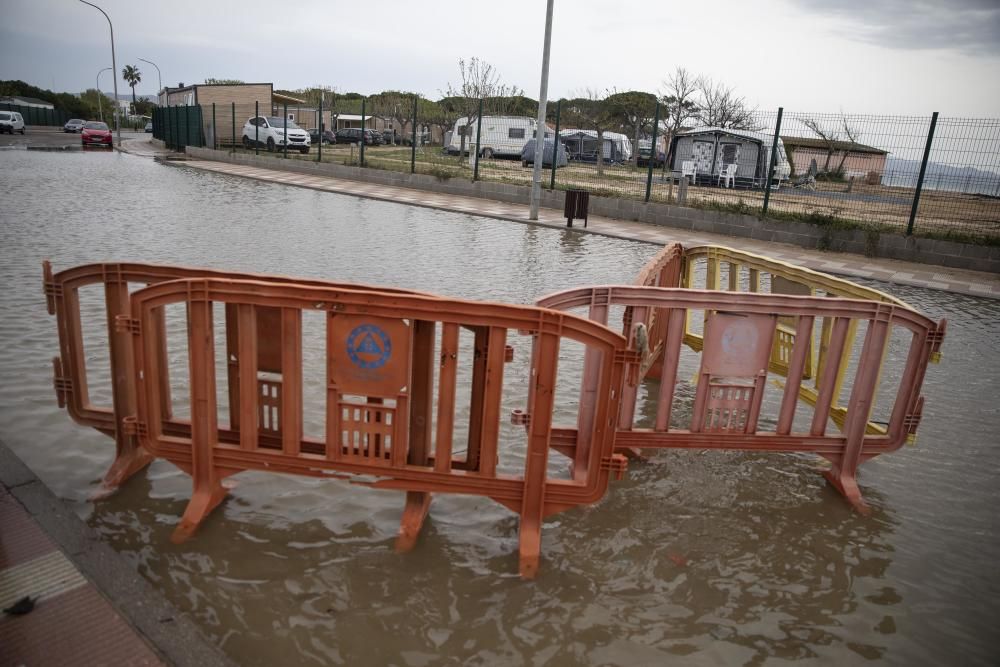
(75, 121)
(93, 125)
(275, 121)
(4, 115)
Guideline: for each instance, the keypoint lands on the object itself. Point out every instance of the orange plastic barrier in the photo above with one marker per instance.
(62, 294)
(391, 359)
(740, 332)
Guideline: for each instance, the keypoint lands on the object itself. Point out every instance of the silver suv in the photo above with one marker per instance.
(11, 122)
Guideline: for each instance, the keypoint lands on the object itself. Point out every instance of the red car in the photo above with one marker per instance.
(95, 133)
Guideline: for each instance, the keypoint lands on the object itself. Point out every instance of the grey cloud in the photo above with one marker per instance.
(966, 26)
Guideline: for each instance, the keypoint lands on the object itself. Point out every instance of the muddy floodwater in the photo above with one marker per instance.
(697, 558)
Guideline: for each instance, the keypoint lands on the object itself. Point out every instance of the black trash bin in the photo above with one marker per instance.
(576, 206)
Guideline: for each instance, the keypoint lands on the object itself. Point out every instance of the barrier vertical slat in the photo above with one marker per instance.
(128, 458)
(421, 392)
(291, 381)
(671, 359)
(481, 352)
(334, 446)
(74, 335)
(626, 418)
(494, 393)
(158, 321)
(536, 459)
(247, 358)
(598, 312)
(860, 404)
(232, 320)
(208, 492)
(796, 365)
(446, 398)
(828, 380)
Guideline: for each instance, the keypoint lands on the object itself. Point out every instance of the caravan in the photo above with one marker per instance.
(499, 135)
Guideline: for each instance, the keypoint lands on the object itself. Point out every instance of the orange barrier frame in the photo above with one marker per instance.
(384, 347)
(741, 332)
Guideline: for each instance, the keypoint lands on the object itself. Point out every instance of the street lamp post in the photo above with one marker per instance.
(114, 67)
(536, 174)
(159, 79)
(100, 106)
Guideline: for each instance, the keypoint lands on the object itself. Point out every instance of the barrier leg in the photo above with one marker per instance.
(127, 463)
(846, 481)
(417, 505)
(206, 498)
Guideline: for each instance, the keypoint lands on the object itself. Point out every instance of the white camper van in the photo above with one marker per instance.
(499, 135)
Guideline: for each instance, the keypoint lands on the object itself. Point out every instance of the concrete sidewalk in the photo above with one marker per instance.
(888, 270)
(90, 605)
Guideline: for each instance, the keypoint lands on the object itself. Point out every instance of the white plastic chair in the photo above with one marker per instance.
(688, 169)
(728, 175)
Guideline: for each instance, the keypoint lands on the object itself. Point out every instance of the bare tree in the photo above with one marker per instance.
(678, 96)
(852, 134)
(479, 80)
(829, 136)
(722, 107)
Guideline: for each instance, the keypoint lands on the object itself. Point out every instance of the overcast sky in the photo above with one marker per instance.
(907, 57)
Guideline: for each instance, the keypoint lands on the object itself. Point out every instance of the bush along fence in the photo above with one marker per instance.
(929, 176)
(38, 115)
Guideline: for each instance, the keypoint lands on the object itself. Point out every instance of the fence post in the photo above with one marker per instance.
(361, 150)
(479, 130)
(771, 163)
(413, 139)
(284, 126)
(234, 126)
(201, 127)
(256, 127)
(920, 178)
(215, 130)
(319, 148)
(652, 152)
(555, 147)
(172, 117)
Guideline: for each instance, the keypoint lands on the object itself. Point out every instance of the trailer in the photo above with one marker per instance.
(499, 136)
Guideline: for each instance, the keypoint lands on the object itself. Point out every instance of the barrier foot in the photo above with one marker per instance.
(530, 550)
(417, 505)
(632, 453)
(124, 466)
(201, 504)
(848, 487)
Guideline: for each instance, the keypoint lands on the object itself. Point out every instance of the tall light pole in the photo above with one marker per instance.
(100, 107)
(159, 79)
(536, 174)
(114, 67)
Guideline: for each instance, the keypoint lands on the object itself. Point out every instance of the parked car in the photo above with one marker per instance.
(528, 154)
(270, 132)
(149, 126)
(329, 137)
(74, 125)
(95, 133)
(389, 136)
(352, 135)
(11, 122)
(645, 151)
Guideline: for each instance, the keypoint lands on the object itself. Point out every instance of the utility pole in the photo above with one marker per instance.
(536, 174)
(114, 67)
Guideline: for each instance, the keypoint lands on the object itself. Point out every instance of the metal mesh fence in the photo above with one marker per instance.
(846, 170)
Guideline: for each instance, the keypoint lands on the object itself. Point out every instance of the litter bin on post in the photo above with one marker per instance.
(576, 206)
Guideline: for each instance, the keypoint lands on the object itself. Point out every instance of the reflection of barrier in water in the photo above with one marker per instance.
(390, 359)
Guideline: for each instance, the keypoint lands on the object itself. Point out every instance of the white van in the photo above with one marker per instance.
(499, 135)
(11, 122)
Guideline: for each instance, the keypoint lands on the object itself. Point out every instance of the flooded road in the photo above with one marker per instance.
(696, 558)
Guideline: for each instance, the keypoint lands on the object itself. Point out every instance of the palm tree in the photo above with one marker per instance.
(132, 77)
